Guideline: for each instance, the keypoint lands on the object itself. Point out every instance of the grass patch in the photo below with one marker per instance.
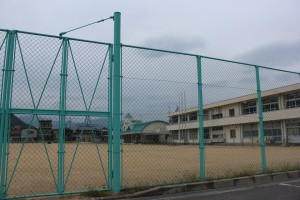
(249, 171)
(135, 189)
(189, 178)
(97, 193)
(284, 167)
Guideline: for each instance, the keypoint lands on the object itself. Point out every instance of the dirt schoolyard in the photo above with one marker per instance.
(37, 171)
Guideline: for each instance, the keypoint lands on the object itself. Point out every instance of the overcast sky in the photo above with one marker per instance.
(266, 33)
(260, 32)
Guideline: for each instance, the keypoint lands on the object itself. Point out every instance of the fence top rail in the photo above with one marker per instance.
(248, 64)
(153, 49)
(58, 37)
(160, 50)
(219, 59)
(4, 30)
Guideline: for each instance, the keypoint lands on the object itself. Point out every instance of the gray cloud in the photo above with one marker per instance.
(277, 55)
(176, 43)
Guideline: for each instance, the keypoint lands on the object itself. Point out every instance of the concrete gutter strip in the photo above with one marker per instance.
(247, 180)
(263, 178)
(293, 174)
(199, 186)
(282, 176)
(223, 183)
(163, 190)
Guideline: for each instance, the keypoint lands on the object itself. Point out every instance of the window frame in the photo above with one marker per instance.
(192, 116)
(175, 135)
(250, 107)
(292, 100)
(270, 104)
(232, 133)
(231, 114)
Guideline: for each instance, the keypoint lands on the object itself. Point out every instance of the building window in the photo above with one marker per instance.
(231, 112)
(293, 127)
(217, 113)
(183, 135)
(193, 134)
(217, 136)
(270, 104)
(175, 136)
(206, 133)
(292, 100)
(217, 116)
(206, 115)
(272, 131)
(217, 128)
(206, 130)
(206, 136)
(232, 133)
(174, 120)
(249, 107)
(183, 118)
(250, 130)
(193, 117)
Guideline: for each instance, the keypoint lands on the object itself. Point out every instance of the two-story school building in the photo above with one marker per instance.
(236, 120)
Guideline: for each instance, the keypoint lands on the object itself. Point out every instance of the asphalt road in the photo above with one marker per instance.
(287, 190)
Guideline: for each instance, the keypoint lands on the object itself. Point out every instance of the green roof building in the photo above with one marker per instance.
(152, 132)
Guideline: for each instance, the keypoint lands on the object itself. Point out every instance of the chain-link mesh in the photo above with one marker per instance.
(86, 158)
(158, 82)
(56, 128)
(281, 102)
(86, 162)
(87, 76)
(3, 36)
(154, 85)
(43, 109)
(228, 91)
(32, 162)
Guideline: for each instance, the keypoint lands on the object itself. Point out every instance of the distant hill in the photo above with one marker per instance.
(72, 124)
(15, 121)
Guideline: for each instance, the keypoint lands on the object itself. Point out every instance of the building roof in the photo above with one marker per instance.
(128, 116)
(137, 121)
(134, 128)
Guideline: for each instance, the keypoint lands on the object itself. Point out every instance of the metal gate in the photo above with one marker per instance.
(55, 114)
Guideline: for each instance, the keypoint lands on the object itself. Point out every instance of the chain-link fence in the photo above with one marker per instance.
(184, 117)
(54, 114)
(154, 85)
(161, 139)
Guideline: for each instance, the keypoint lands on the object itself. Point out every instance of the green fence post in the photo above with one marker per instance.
(261, 122)
(116, 102)
(6, 99)
(201, 121)
(110, 118)
(62, 108)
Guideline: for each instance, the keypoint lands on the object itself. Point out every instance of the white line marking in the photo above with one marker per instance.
(297, 186)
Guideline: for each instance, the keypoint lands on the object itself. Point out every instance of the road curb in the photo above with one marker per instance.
(281, 176)
(247, 180)
(263, 178)
(293, 174)
(222, 183)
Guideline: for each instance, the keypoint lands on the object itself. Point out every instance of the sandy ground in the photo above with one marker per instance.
(142, 164)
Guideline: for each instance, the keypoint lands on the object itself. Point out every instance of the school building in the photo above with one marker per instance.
(235, 121)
